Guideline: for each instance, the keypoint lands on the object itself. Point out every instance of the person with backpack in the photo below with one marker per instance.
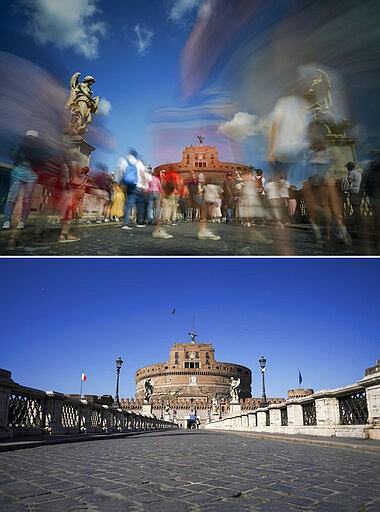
(133, 179)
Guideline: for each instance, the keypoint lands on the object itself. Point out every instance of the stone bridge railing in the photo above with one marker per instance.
(349, 411)
(28, 411)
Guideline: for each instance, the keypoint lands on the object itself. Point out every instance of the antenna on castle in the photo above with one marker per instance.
(192, 334)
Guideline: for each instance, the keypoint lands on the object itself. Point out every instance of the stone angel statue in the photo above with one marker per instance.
(321, 105)
(234, 389)
(82, 104)
(148, 390)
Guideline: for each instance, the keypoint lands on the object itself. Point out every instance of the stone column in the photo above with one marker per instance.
(235, 408)
(5, 384)
(85, 413)
(261, 418)
(295, 415)
(275, 417)
(106, 427)
(371, 382)
(252, 420)
(244, 421)
(147, 409)
(327, 411)
(53, 413)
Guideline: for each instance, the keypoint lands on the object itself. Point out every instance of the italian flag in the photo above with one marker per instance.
(84, 377)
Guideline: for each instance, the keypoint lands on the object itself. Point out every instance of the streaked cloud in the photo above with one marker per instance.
(67, 24)
(242, 126)
(144, 38)
(179, 9)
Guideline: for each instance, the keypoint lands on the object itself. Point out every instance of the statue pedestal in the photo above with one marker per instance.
(215, 416)
(167, 416)
(147, 409)
(80, 147)
(235, 408)
(341, 150)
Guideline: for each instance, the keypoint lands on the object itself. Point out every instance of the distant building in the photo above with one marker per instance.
(204, 162)
(187, 383)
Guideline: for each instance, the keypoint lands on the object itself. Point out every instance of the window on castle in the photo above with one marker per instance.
(176, 355)
(193, 380)
(191, 364)
(186, 355)
(176, 361)
(204, 164)
(197, 355)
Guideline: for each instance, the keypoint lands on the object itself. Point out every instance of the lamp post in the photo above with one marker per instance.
(262, 362)
(119, 362)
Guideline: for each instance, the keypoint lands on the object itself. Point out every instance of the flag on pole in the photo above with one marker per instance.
(299, 378)
(84, 377)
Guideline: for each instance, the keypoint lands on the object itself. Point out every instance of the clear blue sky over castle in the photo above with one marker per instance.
(64, 316)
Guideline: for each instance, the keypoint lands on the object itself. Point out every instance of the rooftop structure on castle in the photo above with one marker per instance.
(204, 162)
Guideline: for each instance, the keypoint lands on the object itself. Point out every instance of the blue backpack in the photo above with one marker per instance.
(130, 175)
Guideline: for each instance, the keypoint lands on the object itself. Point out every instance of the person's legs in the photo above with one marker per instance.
(156, 206)
(27, 200)
(13, 193)
(129, 203)
(149, 208)
(140, 207)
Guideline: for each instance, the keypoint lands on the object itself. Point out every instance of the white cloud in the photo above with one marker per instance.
(180, 8)
(65, 24)
(144, 38)
(242, 126)
(104, 107)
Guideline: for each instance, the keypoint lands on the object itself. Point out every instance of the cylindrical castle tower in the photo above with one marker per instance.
(192, 371)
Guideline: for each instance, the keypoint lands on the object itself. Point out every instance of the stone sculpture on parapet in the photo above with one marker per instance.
(215, 409)
(82, 104)
(234, 390)
(148, 391)
(340, 146)
(321, 105)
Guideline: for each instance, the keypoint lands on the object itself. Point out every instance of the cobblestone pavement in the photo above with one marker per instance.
(236, 240)
(189, 471)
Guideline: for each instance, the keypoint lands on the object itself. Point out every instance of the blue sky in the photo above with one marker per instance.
(60, 317)
(166, 68)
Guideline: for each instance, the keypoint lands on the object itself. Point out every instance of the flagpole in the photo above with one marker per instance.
(81, 384)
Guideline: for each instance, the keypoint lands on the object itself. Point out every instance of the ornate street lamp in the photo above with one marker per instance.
(119, 362)
(262, 362)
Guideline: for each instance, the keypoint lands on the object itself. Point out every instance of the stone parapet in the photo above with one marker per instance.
(348, 411)
(28, 411)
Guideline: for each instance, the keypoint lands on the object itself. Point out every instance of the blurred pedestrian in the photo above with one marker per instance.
(27, 158)
(118, 203)
(354, 178)
(228, 197)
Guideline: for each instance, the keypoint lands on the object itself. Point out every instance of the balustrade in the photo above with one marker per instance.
(25, 411)
(350, 411)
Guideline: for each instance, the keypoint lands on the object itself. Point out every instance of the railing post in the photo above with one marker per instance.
(295, 415)
(5, 381)
(53, 413)
(261, 418)
(252, 420)
(371, 383)
(327, 411)
(275, 417)
(85, 417)
(106, 427)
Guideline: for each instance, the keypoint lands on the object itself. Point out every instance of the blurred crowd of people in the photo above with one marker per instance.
(137, 196)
